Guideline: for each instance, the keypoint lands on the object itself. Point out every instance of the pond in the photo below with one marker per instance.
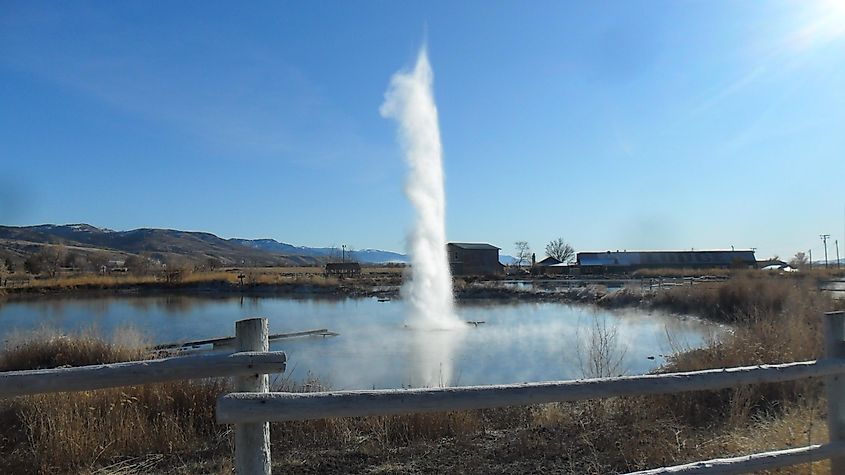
(518, 342)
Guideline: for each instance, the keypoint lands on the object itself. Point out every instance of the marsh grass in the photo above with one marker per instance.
(280, 277)
(77, 431)
(683, 272)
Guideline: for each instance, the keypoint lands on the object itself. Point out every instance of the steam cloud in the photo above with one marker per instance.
(409, 101)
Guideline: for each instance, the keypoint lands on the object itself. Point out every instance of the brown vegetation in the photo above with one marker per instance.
(279, 279)
(170, 427)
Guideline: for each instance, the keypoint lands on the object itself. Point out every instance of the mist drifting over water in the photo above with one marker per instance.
(409, 100)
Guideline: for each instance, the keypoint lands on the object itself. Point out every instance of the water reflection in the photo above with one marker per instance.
(433, 355)
(519, 342)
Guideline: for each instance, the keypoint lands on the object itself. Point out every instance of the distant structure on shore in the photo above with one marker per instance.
(473, 259)
(625, 261)
(343, 269)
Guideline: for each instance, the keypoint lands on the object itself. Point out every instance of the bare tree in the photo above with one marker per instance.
(34, 264)
(799, 261)
(600, 353)
(175, 268)
(210, 263)
(523, 252)
(51, 259)
(138, 265)
(561, 250)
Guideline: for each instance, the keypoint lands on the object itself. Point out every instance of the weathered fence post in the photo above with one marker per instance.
(834, 334)
(252, 441)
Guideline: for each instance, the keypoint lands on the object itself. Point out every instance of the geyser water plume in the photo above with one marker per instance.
(409, 101)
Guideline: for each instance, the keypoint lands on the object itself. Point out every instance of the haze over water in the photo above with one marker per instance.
(520, 342)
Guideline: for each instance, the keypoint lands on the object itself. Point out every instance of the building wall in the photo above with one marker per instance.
(474, 261)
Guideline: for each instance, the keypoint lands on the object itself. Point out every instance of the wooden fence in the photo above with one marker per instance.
(252, 406)
(250, 365)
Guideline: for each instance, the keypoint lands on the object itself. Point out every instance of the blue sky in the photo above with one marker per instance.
(616, 125)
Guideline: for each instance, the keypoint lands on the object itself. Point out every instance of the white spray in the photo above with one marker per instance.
(409, 100)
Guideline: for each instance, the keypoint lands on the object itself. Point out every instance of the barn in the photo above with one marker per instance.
(473, 259)
(626, 261)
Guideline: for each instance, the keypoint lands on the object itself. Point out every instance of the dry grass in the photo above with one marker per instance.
(77, 431)
(775, 320)
(71, 430)
(47, 348)
(270, 276)
(745, 298)
(88, 280)
(684, 272)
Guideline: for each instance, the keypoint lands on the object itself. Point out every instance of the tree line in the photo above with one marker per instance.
(49, 261)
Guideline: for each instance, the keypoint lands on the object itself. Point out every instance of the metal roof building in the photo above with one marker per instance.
(632, 260)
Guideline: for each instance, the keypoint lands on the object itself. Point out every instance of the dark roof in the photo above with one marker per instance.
(473, 246)
(549, 261)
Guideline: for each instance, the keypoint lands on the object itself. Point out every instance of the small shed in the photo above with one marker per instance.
(549, 261)
(343, 269)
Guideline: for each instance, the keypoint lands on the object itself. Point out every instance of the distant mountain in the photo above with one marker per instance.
(161, 244)
(380, 257)
(366, 256)
(276, 247)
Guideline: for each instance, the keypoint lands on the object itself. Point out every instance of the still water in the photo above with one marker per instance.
(519, 342)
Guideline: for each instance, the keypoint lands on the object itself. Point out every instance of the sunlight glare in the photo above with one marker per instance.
(828, 25)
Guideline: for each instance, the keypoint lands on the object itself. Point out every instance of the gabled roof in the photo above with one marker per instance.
(473, 246)
(549, 261)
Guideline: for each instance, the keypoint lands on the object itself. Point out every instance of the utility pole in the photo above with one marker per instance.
(824, 238)
(343, 255)
(811, 258)
(838, 262)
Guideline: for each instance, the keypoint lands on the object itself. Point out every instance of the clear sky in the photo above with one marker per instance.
(616, 125)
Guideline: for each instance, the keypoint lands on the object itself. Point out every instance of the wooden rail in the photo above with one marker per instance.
(230, 340)
(251, 407)
(281, 406)
(85, 378)
(755, 462)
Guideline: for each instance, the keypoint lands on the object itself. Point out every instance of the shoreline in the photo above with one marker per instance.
(478, 290)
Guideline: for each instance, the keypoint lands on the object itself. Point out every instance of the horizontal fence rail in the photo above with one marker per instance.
(280, 406)
(230, 340)
(753, 463)
(84, 378)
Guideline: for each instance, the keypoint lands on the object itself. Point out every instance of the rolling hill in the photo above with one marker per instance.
(18, 242)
